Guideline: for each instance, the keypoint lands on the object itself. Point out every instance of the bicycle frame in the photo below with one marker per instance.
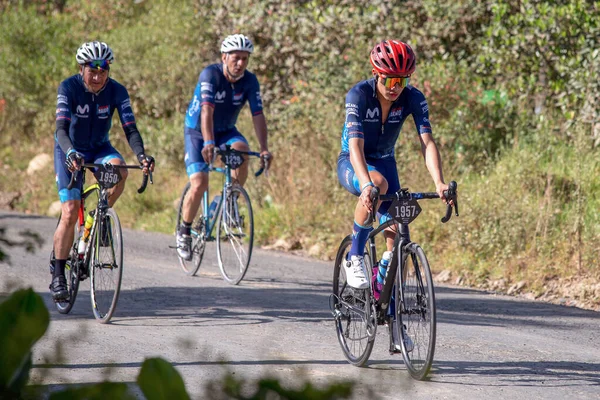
(211, 223)
(401, 239)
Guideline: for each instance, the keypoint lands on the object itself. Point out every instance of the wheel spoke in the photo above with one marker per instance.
(106, 266)
(418, 314)
(235, 235)
(354, 312)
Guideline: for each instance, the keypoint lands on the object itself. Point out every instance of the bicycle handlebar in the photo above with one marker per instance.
(227, 149)
(404, 194)
(141, 189)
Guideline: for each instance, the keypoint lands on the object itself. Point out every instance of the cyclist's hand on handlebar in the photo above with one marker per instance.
(440, 189)
(266, 159)
(74, 160)
(147, 161)
(208, 152)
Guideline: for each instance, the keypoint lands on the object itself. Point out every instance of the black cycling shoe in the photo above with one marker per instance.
(58, 288)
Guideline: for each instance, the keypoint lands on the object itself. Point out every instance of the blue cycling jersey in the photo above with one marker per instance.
(89, 115)
(363, 118)
(226, 98)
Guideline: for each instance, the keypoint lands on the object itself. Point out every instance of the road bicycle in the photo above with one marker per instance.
(406, 303)
(100, 257)
(231, 216)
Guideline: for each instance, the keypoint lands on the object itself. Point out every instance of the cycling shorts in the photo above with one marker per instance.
(100, 155)
(385, 166)
(194, 143)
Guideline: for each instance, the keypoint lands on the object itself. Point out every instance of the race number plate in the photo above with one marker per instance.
(107, 176)
(234, 160)
(405, 211)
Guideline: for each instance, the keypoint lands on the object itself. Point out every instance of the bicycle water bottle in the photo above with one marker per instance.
(89, 220)
(379, 273)
(383, 264)
(213, 206)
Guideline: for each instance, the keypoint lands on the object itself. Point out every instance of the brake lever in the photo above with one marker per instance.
(452, 198)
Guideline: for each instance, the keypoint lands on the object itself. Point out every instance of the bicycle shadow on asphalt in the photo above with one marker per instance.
(253, 302)
(206, 306)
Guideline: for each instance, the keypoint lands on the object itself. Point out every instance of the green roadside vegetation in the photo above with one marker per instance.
(513, 91)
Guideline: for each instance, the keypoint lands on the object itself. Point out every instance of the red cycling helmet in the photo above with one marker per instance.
(393, 57)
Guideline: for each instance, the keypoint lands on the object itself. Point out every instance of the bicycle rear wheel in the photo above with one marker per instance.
(354, 310)
(417, 313)
(106, 266)
(192, 266)
(235, 235)
(71, 275)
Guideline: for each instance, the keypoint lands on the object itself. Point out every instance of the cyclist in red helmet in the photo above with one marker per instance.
(376, 109)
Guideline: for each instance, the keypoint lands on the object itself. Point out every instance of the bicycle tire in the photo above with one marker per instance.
(356, 339)
(235, 232)
(192, 266)
(71, 275)
(417, 313)
(106, 266)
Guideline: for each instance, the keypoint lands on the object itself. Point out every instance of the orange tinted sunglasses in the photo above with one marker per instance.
(391, 81)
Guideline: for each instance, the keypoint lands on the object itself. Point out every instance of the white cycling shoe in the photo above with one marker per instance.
(355, 273)
(184, 246)
(408, 343)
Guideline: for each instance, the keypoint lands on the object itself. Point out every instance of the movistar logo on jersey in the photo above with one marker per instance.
(220, 97)
(83, 111)
(372, 115)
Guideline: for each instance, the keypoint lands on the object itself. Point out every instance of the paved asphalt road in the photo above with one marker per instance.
(277, 322)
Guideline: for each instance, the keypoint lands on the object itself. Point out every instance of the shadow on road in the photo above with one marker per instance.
(309, 303)
(520, 373)
(470, 307)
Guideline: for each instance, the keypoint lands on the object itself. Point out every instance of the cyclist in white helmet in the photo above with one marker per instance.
(85, 105)
(220, 94)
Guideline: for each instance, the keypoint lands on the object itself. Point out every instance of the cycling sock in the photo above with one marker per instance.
(360, 235)
(185, 228)
(59, 268)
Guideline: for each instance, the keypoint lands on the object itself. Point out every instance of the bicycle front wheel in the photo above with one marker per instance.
(353, 310)
(106, 266)
(191, 267)
(235, 235)
(417, 313)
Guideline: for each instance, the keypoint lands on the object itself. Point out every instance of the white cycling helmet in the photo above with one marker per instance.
(94, 51)
(236, 43)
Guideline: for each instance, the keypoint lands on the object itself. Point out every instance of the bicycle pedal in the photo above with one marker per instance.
(62, 300)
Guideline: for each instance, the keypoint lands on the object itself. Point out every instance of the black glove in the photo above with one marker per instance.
(74, 159)
(142, 157)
